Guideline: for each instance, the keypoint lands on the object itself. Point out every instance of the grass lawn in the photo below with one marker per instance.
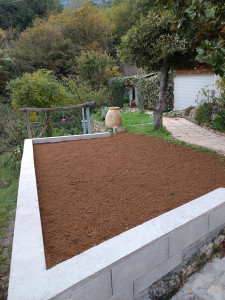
(9, 173)
(135, 122)
(142, 123)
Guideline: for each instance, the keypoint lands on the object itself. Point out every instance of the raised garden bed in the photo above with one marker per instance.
(90, 191)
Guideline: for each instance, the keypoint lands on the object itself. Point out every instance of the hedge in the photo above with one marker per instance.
(149, 90)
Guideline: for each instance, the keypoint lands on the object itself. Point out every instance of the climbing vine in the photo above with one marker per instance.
(148, 90)
(117, 87)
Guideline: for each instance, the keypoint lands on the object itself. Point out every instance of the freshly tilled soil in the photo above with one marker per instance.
(92, 190)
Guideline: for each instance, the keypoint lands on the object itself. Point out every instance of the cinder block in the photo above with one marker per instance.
(186, 235)
(125, 294)
(217, 217)
(148, 279)
(98, 288)
(139, 264)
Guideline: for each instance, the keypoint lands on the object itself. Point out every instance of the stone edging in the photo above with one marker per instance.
(212, 130)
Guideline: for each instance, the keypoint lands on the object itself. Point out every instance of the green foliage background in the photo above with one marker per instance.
(149, 89)
(40, 89)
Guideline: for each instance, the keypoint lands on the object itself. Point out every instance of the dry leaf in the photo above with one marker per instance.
(183, 282)
(190, 291)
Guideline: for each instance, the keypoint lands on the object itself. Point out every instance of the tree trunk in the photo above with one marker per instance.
(158, 123)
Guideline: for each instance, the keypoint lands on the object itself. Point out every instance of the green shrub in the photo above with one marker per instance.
(173, 114)
(97, 68)
(188, 110)
(203, 113)
(209, 94)
(104, 111)
(126, 100)
(12, 132)
(219, 122)
(40, 89)
(117, 87)
(83, 92)
(221, 86)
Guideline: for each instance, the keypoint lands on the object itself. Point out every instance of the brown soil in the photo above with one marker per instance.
(92, 190)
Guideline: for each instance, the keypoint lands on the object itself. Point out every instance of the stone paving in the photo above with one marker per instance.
(189, 132)
(206, 285)
(210, 283)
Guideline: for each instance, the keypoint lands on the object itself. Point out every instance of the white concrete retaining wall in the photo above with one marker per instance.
(119, 268)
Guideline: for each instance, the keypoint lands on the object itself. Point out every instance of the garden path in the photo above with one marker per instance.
(207, 285)
(191, 133)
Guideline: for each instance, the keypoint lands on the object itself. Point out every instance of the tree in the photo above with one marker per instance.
(154, 45)
(56, 42)
(7, 66)
(12, 132)
(206, 17)
(97, 68)
(125, 14)
(87, 27)
(40, 89)
(44, 46)
(20, 14)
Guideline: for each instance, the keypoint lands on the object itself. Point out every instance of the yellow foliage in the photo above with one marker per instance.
(55, 42)
(32, 116)
(112, 72)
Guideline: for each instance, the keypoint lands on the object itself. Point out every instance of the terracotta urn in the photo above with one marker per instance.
(113, 117)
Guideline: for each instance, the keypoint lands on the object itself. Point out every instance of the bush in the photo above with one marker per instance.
(219, 122)
(104, 111)
(82, 92)
(209, 94)
(221, 86)
(117, 91)
(40, 89)
(173, 114)
(203, 113)
(188, 110)
(97, 68)
(12, 132)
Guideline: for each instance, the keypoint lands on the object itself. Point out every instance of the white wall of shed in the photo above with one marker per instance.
(187, 86)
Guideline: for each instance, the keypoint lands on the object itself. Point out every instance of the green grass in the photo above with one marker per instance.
(136, 118)
(96, 117)
(9, 173)
(138, 123)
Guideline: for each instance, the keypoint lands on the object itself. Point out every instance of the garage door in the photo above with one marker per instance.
(186, 88)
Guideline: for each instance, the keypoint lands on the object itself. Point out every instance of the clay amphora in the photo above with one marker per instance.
(113, 117)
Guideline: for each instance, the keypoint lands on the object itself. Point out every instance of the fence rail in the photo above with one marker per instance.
(86, 104)
(83, 105)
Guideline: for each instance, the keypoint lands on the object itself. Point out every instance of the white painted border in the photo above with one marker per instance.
(95, 273)
(67, 138)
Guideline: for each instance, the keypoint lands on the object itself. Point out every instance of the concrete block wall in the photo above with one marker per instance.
(141, 270)
(118, 269)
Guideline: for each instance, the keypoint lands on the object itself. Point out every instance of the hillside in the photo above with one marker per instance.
(67, 3)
